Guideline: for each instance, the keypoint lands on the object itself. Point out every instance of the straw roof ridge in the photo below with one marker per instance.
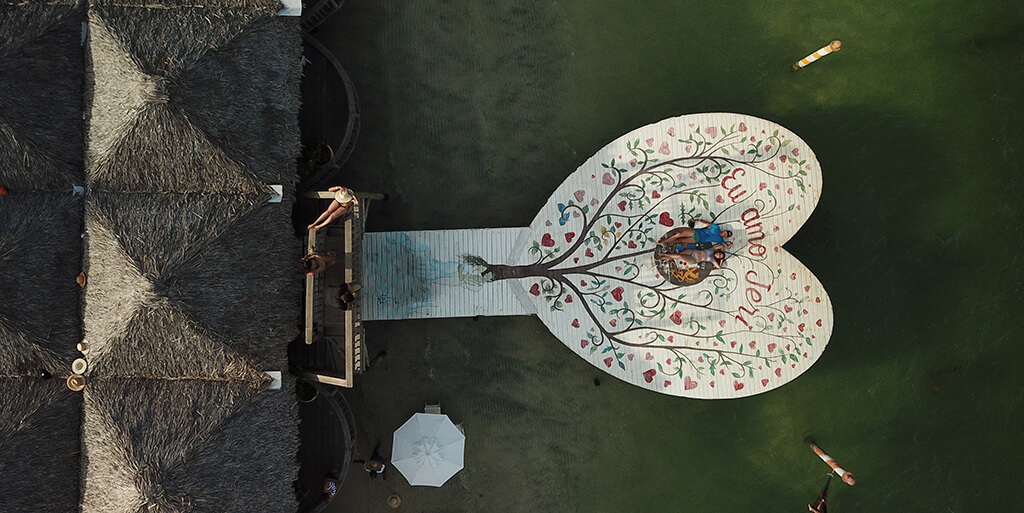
(253, 68)
(40, 256)
(164, 42)
(139, 432)
(162, 151)
(194, 255)
(21, 357)
(258, 446)
(134, 331)
(165, 342)
(40, 440)
(209, 85)
(41, 76)
(267, 6)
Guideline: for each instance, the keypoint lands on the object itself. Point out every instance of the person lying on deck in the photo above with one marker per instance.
(698, 238)
(694, 256)
(342, 204)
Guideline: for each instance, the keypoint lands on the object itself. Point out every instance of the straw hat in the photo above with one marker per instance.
(76, 382)
(394, 501)
(344, 195)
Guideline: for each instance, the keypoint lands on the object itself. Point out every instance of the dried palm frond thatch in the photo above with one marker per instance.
(189, 285)
(192, 100)
(170, 446)
(40, 257)
(41, 70)
(40, 436)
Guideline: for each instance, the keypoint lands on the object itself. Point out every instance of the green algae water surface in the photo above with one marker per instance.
(473, 112)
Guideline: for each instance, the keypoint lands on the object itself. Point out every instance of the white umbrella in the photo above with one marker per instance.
(428, 449)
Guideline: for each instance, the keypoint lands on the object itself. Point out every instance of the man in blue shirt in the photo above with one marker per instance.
(708, 235)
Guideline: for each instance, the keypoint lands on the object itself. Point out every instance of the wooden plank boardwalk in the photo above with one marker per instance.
(422, 274)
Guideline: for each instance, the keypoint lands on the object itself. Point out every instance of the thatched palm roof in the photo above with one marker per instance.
(41, 70)
(196, 446)
(40, 256)
(192, 291)
(191, 100)
(39, 445)
(178, 285)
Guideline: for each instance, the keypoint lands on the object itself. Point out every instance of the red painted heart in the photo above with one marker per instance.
(608, 361)
(771, 347)
(569, 236)
(736, 385)
(764, 382)
(721, 323)
(583, 343)
(649, 375)
(655, 195)
(579, 194)
(568, 298)
(622, 205)
(617, 293)
(575, 323)
(607, 179)
(787, 308)
(590, 254)
(664, 149)
(689, 384)
(631, 245)
(648, 356)
(535, 289)
(547, 241)
(778, 372)
(667, 383)
(801, 326)
(676, 317)
(818, 322)
(665, 219)
(613, 322)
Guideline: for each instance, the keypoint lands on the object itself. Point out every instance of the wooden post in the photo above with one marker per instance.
(834, 46)
(847, 476)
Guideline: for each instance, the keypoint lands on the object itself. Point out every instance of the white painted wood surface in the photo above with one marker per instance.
(415, 275)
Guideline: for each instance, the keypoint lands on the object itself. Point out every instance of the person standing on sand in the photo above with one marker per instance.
(342, 204)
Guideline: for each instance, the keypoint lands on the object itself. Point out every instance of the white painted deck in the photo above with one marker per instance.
(588, 270)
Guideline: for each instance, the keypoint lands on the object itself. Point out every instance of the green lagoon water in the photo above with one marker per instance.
(473, 112)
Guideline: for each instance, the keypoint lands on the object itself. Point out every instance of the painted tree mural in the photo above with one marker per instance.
(751, 326)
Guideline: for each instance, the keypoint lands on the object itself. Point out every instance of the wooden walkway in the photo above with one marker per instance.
(412, 275)
(331, 351)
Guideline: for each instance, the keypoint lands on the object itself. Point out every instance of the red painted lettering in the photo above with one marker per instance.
(735, 192)
(752, 282)
(755, 231)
